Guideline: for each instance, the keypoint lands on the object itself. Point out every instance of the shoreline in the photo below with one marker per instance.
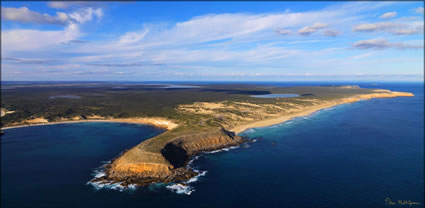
(157, 122)
(281, 119)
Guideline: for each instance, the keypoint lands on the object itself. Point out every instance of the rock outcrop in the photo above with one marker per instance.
(142, 167)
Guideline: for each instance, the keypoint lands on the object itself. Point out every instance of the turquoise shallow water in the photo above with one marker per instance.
(353, 155)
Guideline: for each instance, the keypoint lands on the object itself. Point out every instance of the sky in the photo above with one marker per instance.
(212, 41)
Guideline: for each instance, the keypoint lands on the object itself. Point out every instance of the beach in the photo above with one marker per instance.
(311, 109)
(281, 119)
(158, 122)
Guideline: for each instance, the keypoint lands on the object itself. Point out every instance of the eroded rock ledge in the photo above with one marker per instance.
(170, 163)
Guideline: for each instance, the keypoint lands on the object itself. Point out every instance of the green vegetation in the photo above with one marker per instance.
(59, 100)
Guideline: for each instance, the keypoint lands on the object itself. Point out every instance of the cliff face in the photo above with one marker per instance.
(170, 163)
(194, 144)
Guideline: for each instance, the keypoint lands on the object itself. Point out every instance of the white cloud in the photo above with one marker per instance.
(214, 38)
(68, 4)
(86, 14)
(388, 15)
(132, 37)
(396, 28)
(307, 30)
(331, 33)
(230, 28)
(419, 10)
(374, 27)
(28, 61)
(28, 40)
(384, 44)
(284, 31)
(248, 26)
(24, 15)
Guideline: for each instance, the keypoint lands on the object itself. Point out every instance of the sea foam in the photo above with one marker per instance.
(100, 172)
(180, 188)
(222, 150)
(185, 187)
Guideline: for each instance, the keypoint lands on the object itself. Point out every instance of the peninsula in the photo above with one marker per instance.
(198, 119)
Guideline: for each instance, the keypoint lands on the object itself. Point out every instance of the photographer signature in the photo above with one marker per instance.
(400, 202)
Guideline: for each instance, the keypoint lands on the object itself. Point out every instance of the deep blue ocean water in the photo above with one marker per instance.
(352, 155)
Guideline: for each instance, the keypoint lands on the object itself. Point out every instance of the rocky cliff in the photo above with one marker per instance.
(142, 166)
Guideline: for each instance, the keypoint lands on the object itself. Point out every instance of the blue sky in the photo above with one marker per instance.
(243, 41)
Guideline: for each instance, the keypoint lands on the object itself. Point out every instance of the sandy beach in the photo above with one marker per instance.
(281, 119)
(309, 110)
(158, 122)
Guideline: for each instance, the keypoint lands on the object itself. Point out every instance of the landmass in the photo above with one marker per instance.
(198, 119)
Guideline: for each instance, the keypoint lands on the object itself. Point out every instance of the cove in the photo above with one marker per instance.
(50, 165)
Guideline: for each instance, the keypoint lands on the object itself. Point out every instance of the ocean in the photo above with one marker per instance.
(353, 155)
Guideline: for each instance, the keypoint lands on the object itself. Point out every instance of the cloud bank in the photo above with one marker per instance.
(24, 15)
(383, 44)
(396, 28)
(307, 30)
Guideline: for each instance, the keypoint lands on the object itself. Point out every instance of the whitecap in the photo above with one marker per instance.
(99, 174)
(132, 187)
(221, 150)
(180, 188)
(184, 187)
(196, 178)
(107, 185)
(104, 184)
(192, 160)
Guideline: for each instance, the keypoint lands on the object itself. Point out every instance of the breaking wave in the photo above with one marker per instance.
(184, 187)
(222, 150)
(180, 188)
(104, 184)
